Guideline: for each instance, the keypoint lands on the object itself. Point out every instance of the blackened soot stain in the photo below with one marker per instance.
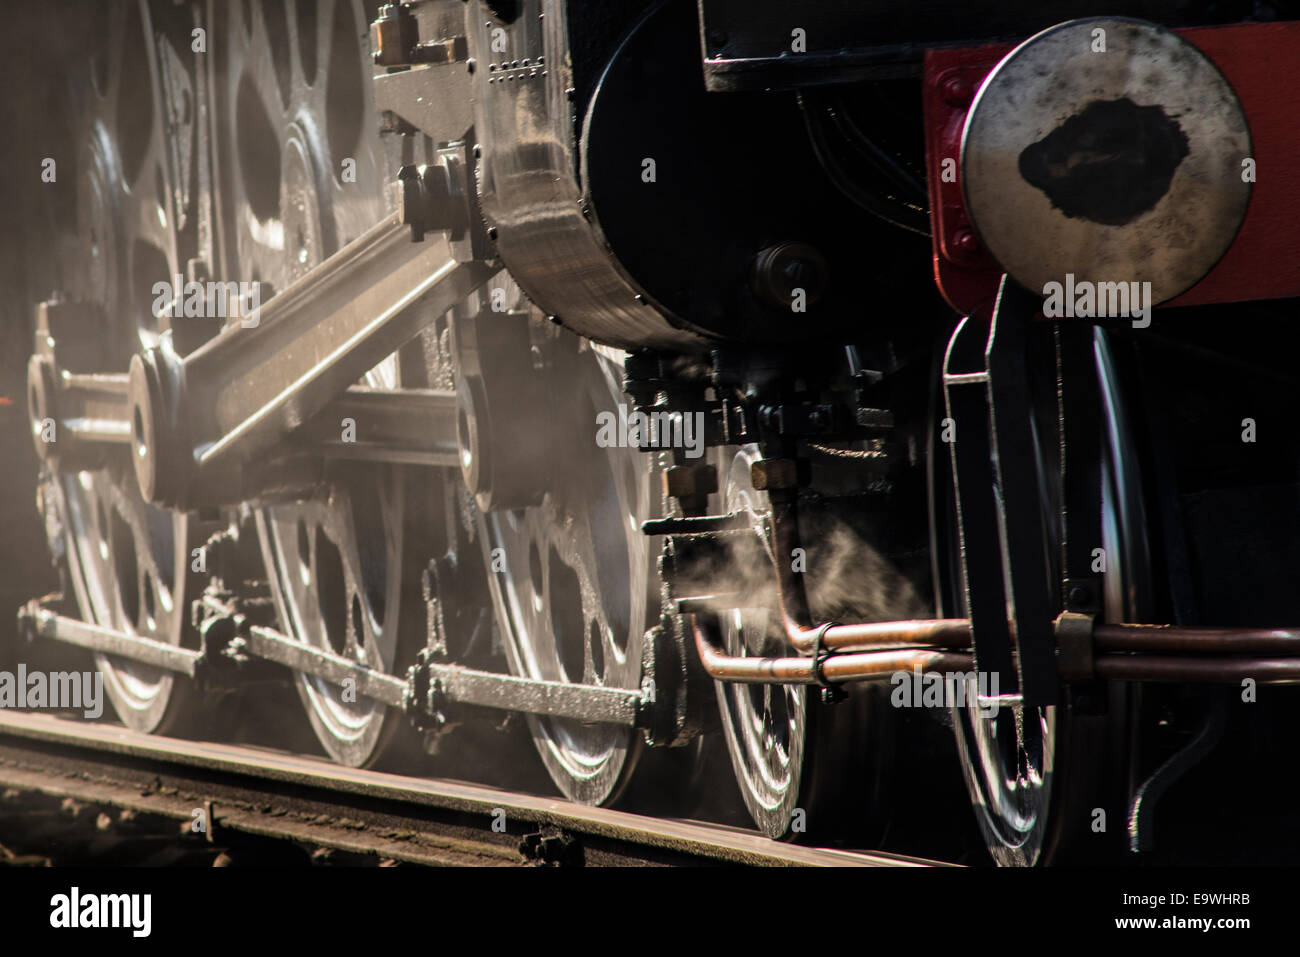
(1110, 163)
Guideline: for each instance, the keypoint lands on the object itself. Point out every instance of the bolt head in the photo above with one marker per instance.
(781, 269)
(957, 91)
(392, 35)
(965, 242)
(774, 474)
(684, 481)
(408, 194)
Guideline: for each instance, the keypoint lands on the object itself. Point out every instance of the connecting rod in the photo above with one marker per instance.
(195, 422)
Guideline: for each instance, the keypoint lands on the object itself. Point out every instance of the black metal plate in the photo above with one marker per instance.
(748, 44)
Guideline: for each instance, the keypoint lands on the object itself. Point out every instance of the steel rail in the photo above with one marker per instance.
(344, 786)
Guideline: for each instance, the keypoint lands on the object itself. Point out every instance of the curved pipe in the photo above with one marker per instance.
(838, 668)
(1126, 652)
(933, 633)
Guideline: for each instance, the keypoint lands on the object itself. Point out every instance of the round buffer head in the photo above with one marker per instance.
(1109, 149)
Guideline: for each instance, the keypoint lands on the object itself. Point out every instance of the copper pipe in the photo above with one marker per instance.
(1162, 649)
(883, 664)
(837, 668)
(933, 633)
(1199, 641)
(1200, 670)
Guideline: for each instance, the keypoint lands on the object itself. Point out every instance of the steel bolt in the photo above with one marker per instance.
(965, 242)
(684, 481)
(779, 270)
(774, 474)
(409, 198)
(392, 34)
(957, 91)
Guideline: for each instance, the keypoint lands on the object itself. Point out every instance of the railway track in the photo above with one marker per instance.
(233, 791)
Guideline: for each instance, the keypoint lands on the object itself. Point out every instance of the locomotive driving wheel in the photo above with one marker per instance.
(302, 172)
(128, 562)
(765, 725)
(1035, 774)
(572, 578)
(804, 767)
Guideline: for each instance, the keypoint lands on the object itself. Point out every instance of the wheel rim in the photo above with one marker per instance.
(1009, 760)
(128, 561)
(765, 725)
(571, 580)
(295, 104)
(336, 567)
(127, 575)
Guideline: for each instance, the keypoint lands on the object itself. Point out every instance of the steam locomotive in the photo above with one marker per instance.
(895, 397)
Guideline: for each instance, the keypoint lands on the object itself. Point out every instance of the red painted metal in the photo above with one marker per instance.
(1260, 60)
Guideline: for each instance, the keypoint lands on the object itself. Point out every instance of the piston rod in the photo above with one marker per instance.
(91, 416)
